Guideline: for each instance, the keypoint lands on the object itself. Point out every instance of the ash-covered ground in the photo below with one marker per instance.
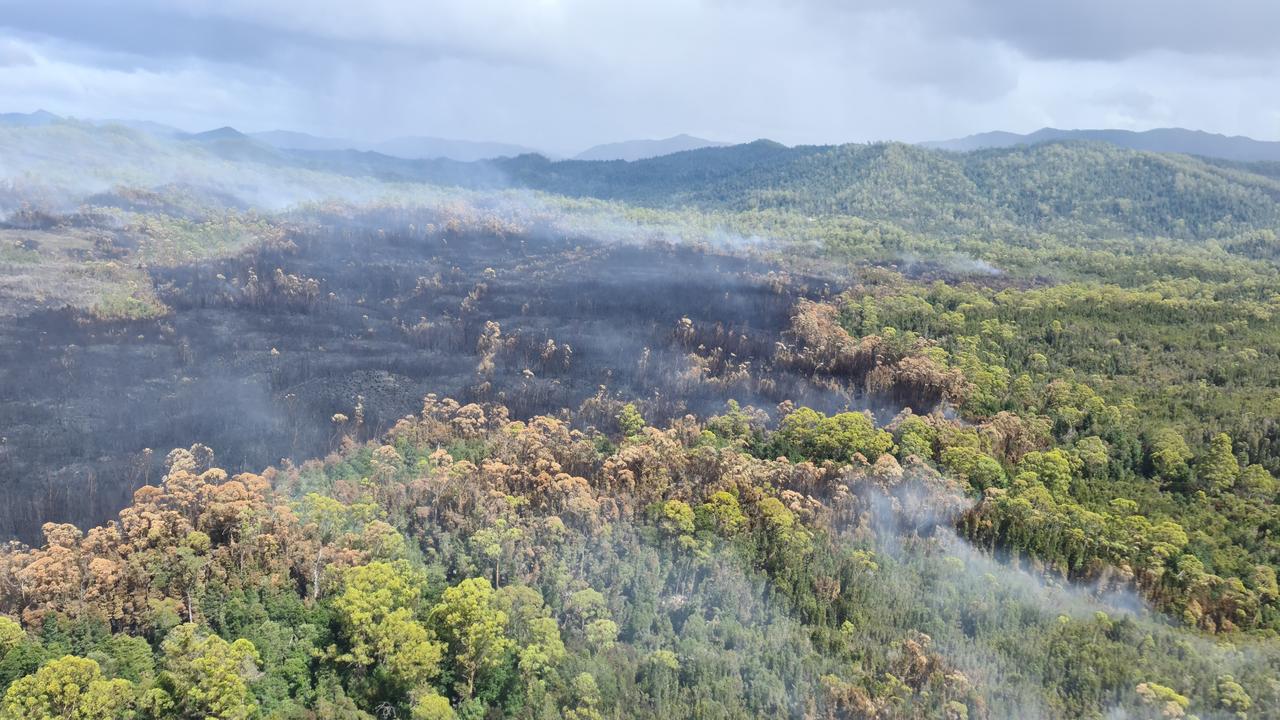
(379, 309)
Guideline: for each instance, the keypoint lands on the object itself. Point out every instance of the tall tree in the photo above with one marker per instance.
(69, 688)
(474, 628)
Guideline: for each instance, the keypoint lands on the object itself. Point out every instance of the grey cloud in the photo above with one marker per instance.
(260, 32)
(1087, 29)
(14, 55)
(1103, 29)
(1111, 30)
(957, 67)
(1128, 99)
(131, 31)
(564, 74)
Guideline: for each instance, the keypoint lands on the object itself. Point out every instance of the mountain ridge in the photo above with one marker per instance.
(406, 147)
(1238, 148)
(1057, 187)
(31, 119)
(632, 150)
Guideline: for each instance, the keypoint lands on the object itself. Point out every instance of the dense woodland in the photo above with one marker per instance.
(866, 431)
(472, 565)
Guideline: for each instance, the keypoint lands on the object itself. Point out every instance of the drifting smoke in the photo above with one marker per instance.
(967, 600)
(58, 166)
(953, 264)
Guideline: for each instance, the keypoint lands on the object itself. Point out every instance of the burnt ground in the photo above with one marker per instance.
(255, 367)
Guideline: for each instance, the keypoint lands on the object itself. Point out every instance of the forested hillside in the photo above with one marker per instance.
(1164, 140)
(473, 565)
(755, 431)
(1074, 190)
(1067, 188)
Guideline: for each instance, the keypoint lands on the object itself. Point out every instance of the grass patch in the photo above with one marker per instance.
(123, 293)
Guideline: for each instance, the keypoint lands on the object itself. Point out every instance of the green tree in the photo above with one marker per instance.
(916, 437)
(11, 635)
(1052, 468)
(536, 634)
(807, 433)
(721, 513)
(126, 656)
(432, 706)
(23, 659)
(474, 630)
(842, 435)
(1255, 483)
(1094, 454)
(601, 634)
(736, 426)
(586, 698)
(676, 518)
(630, 421)
(207, 678)
(496, 542)
(1163, 699)
(592, 618)
(1169, 455)
(376, 609)
(978, 469)
(787, 540)
(1232, 696)
(69, 688)
(1218, 468)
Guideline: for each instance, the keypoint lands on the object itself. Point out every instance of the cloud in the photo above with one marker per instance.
(51, 78)
(564, 74)
(13, 54)
(255, 32)
(956, 67)
(1114, 30)
(1087, 29)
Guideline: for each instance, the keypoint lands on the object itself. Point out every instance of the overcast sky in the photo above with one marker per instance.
(560, 75)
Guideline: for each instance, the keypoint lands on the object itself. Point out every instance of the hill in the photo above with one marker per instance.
(33, 119)
(410, 148)
(146, 126)
(1067, 189)
(231, 144)
(1165, 140)
(641, 149)
(418, 148)
(1058, 187)
(291, 140)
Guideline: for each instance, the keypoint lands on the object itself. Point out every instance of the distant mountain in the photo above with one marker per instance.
(1176, 140)
(221, 134)
(982, 141)
(424, 148)
(1067, 188)
(641, 149)
(290, 140)
(1092, 189)
(40, 118)
(231, 144)
(146, 126)
(35, 119)
(410, 148)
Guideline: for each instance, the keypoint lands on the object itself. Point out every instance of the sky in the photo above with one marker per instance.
(561, 75)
